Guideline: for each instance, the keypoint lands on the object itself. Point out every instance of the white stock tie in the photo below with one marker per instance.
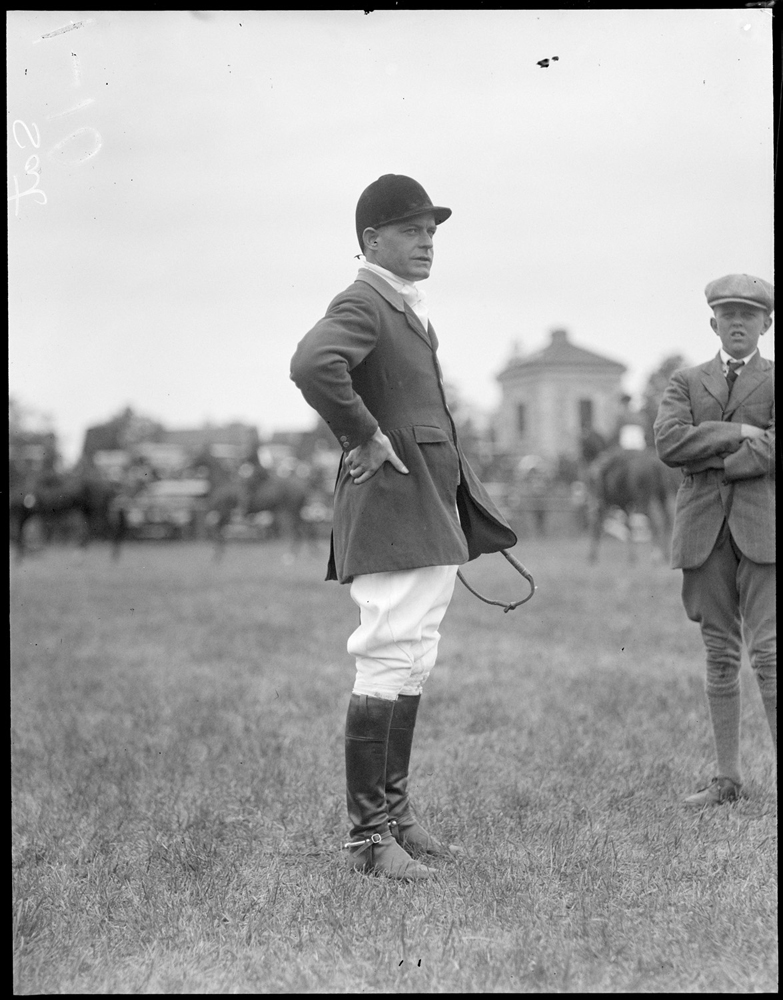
(417, 300)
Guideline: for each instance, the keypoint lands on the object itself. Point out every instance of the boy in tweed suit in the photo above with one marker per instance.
(716, 422)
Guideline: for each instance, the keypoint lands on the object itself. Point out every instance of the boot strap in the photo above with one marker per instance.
(395, 822)
(376, 838)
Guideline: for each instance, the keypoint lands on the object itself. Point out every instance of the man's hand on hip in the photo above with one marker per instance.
(363, 462)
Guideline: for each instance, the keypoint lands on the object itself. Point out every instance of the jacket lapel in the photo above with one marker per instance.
(385, 290)
(714, 381)
(751, 378)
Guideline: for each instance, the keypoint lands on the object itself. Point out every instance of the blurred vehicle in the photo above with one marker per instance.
(167, 509)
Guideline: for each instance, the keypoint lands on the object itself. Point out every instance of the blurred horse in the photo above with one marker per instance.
(71, 507)
(283, 497)
(635, 482)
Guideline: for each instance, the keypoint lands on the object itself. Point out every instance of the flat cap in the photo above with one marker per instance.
(741, 288)
(393, 198)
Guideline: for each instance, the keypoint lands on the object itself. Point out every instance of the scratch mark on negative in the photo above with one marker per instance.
(70, 111)
(66, 27)
(78, 134)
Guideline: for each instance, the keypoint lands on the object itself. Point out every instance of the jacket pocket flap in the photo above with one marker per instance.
(429, 435)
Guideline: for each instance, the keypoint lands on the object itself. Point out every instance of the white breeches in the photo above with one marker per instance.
(396, 643)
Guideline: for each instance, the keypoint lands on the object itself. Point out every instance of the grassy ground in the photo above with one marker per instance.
(179, 805)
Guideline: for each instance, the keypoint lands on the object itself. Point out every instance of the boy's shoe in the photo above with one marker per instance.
(718, 791)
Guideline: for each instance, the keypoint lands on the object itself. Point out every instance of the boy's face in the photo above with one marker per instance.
(739, 327)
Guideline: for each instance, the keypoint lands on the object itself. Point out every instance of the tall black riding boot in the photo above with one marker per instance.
(408, 833)
(372, 847)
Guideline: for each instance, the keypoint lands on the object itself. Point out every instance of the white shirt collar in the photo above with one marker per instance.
(414, 296)
(398, 284)
(725, 358)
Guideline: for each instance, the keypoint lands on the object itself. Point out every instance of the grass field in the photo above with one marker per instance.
(178, 800)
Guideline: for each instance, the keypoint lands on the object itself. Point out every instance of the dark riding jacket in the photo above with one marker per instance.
(368, 363)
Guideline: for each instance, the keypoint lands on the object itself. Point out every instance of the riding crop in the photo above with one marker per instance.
(503, 604)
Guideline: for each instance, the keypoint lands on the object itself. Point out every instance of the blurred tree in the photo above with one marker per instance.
(32, 443)
(16, 418)
(25, 420)
(654, 390)
(476, 445)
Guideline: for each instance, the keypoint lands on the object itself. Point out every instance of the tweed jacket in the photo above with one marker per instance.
(725, 477)
(368, 363)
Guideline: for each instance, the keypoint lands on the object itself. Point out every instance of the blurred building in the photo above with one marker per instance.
(129, 440)
(230, 444)
(554, 398)
(133, 449)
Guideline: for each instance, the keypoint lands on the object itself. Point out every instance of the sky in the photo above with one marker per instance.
(182, 188)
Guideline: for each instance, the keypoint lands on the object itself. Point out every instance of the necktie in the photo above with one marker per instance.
(733, 371)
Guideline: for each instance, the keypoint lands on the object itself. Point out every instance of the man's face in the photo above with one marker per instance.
(739, 327)
(404, 248)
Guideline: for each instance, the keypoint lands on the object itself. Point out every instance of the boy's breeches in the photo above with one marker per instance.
(733, 598)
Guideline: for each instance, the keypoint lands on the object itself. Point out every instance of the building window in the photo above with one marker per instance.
(521, 423)
(586, 414)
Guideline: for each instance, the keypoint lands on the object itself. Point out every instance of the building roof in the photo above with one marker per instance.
(561, 353)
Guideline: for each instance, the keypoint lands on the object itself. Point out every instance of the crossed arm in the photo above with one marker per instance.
(747, 432)
(742, 450)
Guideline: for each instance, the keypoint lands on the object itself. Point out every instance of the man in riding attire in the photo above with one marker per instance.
(716, 422)
(408, 508)
(630, 428)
